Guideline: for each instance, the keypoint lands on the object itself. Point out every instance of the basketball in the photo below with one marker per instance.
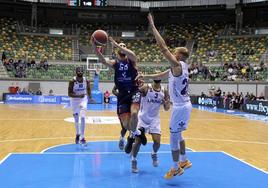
(100, 37)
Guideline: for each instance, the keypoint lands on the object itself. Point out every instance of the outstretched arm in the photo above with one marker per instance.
(108, 63)
(162, 44)
(158, 76)
(130, 54)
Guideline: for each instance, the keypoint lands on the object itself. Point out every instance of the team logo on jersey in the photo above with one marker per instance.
(181, 124)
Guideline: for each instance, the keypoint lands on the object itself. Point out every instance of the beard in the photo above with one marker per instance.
(157, 81)
(79, 75)
(121, 54)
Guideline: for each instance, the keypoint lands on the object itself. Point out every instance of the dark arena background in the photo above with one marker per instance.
(43, 41)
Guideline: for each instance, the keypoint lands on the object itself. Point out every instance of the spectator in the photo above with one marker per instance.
(30, 92)
(106, 97)
(39, 92)
(218, 93)
(4, 56)
(261, 97)
(203, 94)
(45, 65)
(252, 97)
(51, 92)
(33, 63)
(24, 92)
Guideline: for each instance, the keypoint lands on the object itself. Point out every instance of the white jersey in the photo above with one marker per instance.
(150, 105)
(178, 86)
(80, 88)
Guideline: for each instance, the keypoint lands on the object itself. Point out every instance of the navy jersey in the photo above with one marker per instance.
(124, 76)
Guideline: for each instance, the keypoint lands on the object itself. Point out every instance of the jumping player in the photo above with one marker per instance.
(125, 69)
(178, 78)
(78, 91)
(123, 129)
(153, 96)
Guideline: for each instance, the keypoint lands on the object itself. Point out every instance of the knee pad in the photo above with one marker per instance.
(83, 113)
(175, 141)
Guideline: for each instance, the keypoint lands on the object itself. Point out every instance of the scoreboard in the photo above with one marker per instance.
(87, 3)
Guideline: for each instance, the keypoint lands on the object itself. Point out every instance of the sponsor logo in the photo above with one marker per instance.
(257, 108)
(98, 120)
(19, 98)
(206, 101)
(65, 99)
(44, 99)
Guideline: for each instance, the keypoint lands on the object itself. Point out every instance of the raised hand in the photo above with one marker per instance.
(150, 19)
(113, 42)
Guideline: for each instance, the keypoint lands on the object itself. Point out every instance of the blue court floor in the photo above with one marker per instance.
(102, 164)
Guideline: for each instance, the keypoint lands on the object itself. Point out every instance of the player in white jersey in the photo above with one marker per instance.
(178, 89)
(78, 91)
(153, 96)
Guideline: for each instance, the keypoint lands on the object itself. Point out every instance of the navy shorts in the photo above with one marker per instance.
(126, 99)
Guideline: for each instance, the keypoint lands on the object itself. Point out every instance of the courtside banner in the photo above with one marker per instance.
(33, 99)
(256, 107)
(19, 99)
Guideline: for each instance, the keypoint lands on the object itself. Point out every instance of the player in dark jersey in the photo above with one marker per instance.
(125, 72)
(123, 129)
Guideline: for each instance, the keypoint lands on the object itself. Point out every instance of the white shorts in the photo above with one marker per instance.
(78, 104)
(180, 116)
(151, 128)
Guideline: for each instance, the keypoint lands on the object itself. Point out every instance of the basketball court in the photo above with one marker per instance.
(227, 150)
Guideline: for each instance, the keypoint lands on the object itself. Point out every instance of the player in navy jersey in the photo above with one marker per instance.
(123, 129)
(125, 72)
(78, 91)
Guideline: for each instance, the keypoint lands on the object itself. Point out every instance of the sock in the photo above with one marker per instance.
(183, 158)
(153, 152)
(133, 158)
(122, 138)
(82, 126)
(175, 165)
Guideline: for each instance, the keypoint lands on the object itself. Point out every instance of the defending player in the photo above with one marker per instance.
(178, 78)
(153, 96)
(125, 69)
(78, 91)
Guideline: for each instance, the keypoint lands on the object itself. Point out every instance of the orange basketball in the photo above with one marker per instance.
(100, 37)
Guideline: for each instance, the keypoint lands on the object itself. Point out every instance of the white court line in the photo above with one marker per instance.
(191, 150)
(226, 140)
(245, 162)
(92, 137)
(5, 158)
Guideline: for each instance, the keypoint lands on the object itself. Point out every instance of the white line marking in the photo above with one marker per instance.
(5, 158)
(43, 151)
(226, 140)
(113, 137)
(245, 162)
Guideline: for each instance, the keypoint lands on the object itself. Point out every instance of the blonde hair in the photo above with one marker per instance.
(182, 50)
